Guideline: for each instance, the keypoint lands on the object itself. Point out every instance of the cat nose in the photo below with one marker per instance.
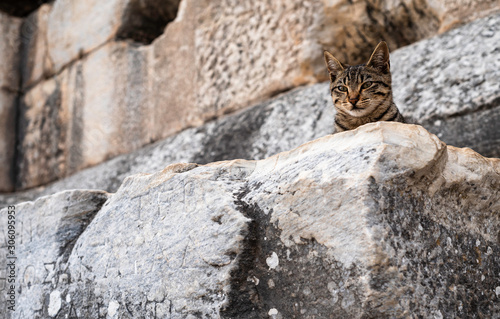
(354, 100)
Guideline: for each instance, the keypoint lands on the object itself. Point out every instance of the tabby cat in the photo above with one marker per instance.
(362, 94)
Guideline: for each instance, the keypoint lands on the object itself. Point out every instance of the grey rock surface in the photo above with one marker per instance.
(45, 232)
(101, 79)
(306, 113)
(450, 84)
(450, 75)
(340, 227)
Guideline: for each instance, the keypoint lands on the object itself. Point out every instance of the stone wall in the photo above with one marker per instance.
(108, 80)
(446, 83)
(342, 226)
(10, 31)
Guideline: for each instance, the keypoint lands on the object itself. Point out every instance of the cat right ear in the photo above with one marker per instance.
(334, 66)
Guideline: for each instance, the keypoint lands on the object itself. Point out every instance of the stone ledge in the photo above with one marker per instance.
(382, 221)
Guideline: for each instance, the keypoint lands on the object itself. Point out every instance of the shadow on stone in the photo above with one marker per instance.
(144, 21)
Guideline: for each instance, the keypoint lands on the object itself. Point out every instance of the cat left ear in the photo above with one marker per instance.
(334, 66)
(380, 58)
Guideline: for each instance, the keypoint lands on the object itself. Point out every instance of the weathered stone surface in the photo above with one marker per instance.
(261, 131)
(450, 75)
(226, 29)
(352, 28)
(10, 29)
(55, 37)
(46, 231)
(79, 119)
(449, 84)
(9, 86)
(214, 57)
(8, 103)
(366, 223)
(307, 113)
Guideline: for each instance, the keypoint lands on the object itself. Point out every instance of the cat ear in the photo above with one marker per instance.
(380, 58)
(334, 66)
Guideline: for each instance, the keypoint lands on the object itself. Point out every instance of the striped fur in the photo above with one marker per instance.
(362, 94)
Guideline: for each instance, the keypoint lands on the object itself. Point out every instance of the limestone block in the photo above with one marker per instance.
(61, 33)
(45, 231)
(10, 29)
(449, 84)
(7, 140)
(350, 29)
(89, 112)
(366, 223)
(36, 62)
(307, 113)
(9, 85)
(449, 75)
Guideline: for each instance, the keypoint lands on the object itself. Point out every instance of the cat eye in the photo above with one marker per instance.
(342, 88)
(366, 85)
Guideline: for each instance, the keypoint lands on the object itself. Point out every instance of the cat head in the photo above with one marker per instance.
(359, 90)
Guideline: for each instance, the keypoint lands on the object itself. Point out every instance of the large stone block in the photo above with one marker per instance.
(88, 113)
(225, 58)
(307, 113)
(41, 234)
(351, 28)
(61, 33)
(10, 29)
(449, 84)
(214, 57)
(343, 226)
(8, 104)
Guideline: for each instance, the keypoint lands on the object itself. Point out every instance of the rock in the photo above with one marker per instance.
(351, 29)
(169, 68)
(449, 85)
(76, 119)
(341, 225)
(56, 39)
(258, 132)
(307, 113)
(46, 231)
(8, 105)
(9, 86)
(20, 8)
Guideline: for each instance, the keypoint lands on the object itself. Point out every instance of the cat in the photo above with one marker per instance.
(362, 94)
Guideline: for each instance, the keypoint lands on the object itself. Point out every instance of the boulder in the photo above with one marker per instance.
(63, 32)
(41, 234)
(10, 29)
(78, 119)
(366, 223)
(449, 84)
(466, 118)
(8, 103)
(181, 64)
